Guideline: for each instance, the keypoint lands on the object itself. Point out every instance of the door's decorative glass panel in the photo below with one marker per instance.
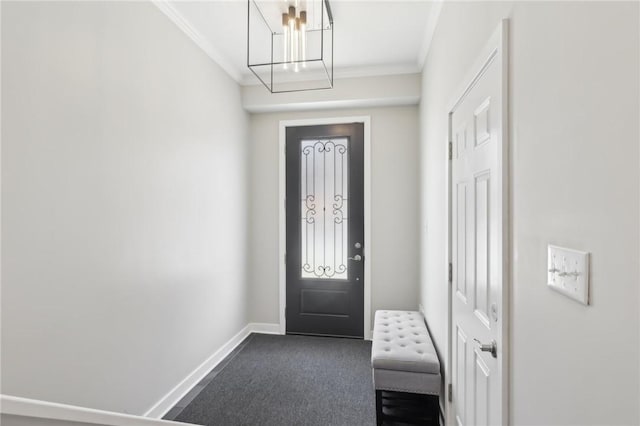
(324, 206)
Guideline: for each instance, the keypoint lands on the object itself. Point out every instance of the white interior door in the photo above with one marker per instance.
(478, 228)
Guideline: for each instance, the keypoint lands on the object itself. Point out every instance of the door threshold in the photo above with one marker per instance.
(294, 333)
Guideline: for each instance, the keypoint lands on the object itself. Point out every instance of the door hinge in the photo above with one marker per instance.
(450, 272)
(450, 392)
(450, 151)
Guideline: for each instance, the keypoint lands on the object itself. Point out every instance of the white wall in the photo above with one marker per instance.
(394, 204)
(574, 174)
(124, 204)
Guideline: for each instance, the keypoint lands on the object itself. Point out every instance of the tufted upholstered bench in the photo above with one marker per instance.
(403, 357)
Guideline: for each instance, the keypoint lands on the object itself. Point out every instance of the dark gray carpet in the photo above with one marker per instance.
(289, 380)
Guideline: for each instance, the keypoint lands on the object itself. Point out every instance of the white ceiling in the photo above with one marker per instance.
(371, 37)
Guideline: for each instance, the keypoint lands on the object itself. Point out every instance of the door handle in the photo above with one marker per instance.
(356, 258)
(491, 347)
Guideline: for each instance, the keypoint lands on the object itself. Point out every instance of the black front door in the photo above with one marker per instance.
(325, 230)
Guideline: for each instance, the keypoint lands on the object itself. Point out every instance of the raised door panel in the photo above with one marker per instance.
(461, 257)
(481, 390)
(482, 232)
(461, 351)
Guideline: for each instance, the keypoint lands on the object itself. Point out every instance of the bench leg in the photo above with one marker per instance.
(378, 407)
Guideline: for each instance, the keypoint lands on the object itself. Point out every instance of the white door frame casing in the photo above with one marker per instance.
(282, 244)
(496, 50)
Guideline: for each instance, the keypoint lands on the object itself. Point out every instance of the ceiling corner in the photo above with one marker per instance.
(430, 29)
(182, 23)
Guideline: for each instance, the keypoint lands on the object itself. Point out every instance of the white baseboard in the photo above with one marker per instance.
(265, 328)
(36, 409)
(181, 389)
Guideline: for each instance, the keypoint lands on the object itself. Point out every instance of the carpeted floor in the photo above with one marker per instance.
(288, 380)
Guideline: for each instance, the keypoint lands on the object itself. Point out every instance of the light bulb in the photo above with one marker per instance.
(303, 38)
(292, 32)
(296, 41)
(285, 39)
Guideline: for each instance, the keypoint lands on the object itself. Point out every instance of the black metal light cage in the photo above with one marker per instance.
(264, 67)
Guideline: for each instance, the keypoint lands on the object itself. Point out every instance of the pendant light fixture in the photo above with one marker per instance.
(290, 44)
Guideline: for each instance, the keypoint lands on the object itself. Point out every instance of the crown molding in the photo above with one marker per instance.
(334, 104)
(430, 29)
(352, 72)
(213, 53)
(376, 70)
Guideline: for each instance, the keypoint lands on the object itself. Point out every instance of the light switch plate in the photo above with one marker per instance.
(568, 272)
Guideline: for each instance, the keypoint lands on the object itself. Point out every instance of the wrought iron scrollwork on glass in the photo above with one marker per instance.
(324, 208)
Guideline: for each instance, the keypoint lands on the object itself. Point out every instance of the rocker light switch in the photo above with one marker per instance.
(568, 273)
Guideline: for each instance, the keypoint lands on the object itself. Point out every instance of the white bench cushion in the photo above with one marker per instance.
(401, 342)
(402, 354)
